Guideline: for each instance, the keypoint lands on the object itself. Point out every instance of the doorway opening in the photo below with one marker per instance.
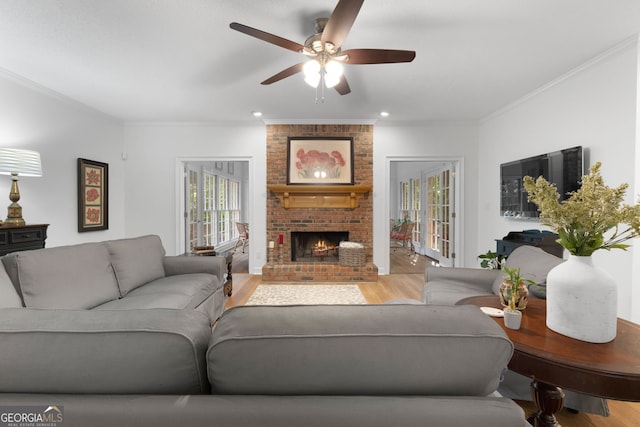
(213, 198)
(425, 194)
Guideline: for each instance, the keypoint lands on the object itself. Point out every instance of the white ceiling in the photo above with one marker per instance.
(178, 60)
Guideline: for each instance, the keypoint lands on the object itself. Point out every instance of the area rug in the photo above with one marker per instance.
(306, 294)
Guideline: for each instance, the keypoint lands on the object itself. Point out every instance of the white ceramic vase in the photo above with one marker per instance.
(582, 301)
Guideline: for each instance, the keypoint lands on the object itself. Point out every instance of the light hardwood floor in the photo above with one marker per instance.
(408, 284)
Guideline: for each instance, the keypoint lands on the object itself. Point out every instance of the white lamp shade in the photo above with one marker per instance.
(312, 80)
(334, 69)
(22, 162)
(331, 80)
(312, 73)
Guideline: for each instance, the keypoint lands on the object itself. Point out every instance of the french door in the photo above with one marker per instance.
(439, 215)
(193, 213)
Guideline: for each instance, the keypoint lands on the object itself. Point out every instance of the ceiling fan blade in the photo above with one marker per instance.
(267, 37)
(378, 56)
(340, 22)
(343, 87)
(287, 72)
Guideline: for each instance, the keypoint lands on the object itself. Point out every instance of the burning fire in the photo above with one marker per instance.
(321, 248)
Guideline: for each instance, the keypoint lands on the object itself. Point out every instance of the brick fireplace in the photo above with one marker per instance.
(280, 221)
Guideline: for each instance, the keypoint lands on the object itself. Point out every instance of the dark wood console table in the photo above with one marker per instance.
(610, 370)
(15, 238)
(544, 240)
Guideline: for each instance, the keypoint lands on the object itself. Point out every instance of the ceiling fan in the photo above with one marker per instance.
(324, 49)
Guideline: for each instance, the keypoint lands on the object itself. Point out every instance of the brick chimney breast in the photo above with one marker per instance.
(281, 221)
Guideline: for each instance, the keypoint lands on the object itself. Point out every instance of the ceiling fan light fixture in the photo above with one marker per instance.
(333, 72)
(331, 81)
(312, 73)
(334, 68)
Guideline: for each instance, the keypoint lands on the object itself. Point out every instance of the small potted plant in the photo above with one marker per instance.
(514, 296)
(491, 260)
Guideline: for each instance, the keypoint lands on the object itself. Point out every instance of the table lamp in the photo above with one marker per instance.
(14, 162)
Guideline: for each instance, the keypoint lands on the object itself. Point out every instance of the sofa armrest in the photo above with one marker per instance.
(174, 265)
(482, 277)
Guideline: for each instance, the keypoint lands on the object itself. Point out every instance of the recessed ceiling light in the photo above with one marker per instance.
(384, 114)
(256, 113)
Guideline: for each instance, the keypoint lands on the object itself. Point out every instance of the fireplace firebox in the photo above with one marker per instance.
(316, 246)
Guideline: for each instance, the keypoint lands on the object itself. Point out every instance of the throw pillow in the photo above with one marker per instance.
(136, 261)
(66, 277)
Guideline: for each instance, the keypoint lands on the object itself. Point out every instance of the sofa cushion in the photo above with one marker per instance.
(534, 264)
(8, 295)
(103, 352)
(136, 261)
(357, 350)
(75, 277)
(185, 291)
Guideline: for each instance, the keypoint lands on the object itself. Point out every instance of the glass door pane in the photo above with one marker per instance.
(192, 208)
(439, 221)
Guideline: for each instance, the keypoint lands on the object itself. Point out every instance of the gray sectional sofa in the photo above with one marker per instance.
(361, 365)
(122, 274)
(116, 333)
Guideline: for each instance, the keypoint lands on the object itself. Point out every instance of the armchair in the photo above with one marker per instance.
(243, 235)
(404, 235)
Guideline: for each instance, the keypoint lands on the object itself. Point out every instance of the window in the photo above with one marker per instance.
(410, 205)
(213, 207)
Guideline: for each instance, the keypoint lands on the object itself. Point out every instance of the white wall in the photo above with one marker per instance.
(594, 107)
(61, 130)
(434, 142)
(152, 185)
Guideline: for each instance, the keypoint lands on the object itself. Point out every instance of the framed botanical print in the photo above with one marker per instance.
(319, 160)
(93, 195)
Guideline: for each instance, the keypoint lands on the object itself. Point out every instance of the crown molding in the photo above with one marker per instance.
(206, 123)
(36, 87)
(630, 42)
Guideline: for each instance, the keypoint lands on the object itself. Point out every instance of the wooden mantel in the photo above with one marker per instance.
(320, 196)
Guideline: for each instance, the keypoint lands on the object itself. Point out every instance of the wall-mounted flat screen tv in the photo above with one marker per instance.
(563, 168)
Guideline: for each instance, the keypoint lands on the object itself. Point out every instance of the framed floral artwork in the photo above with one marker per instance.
(93, 195)
(313, 160)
